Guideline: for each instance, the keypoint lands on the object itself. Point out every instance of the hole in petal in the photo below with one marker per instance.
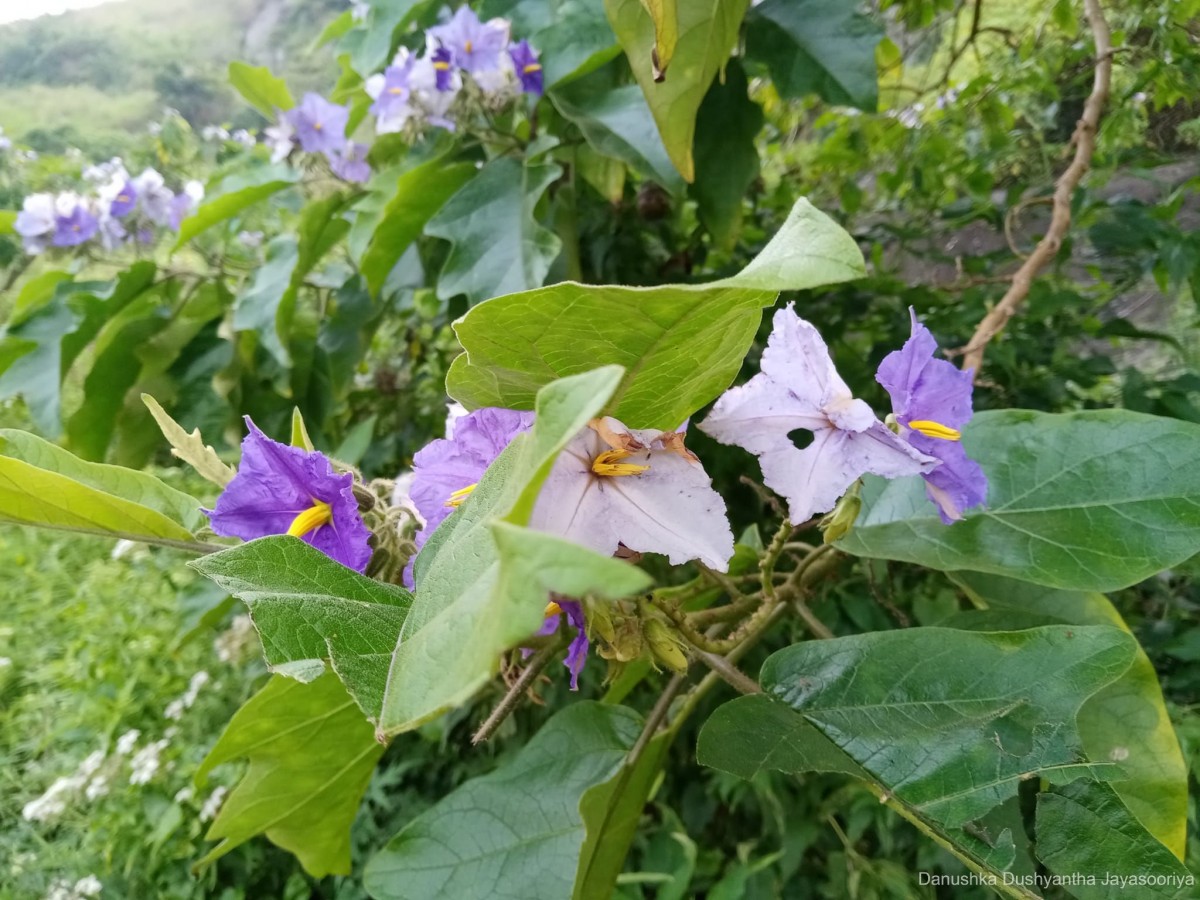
(800, 437)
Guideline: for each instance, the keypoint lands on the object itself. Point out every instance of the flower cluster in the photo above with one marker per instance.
(118, 208)
(54, 800)
(318, 126)
(62, 889)
(177, 707)
(414, 91)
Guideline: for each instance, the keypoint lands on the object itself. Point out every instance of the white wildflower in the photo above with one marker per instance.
(145, 763)
(127, 741)
(236, 643)
(5, 662)
(97, 787)
(243, 137)
(91, 764)
(185, 795)
(88, 886)
(213, 803)
(53, 802)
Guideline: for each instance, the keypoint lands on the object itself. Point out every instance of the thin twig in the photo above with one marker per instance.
(656, 717)
(513, 696)
(1084, 140)
(730, 673)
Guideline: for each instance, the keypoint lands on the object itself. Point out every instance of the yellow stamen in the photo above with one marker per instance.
(552, 609)
(442, 66)
(531, 68)
(935, 430)
(460, 495)
(311, 519)
(396, 90)
(609, 464)
(317, 126)
(468, 46)
(124, 198)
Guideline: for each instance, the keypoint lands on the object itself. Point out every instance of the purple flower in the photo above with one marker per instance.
(643, 489)
(320, 125)
(442, 61)
(74, 227)
(350, 162)
(112, 233)
(35, 222)
(154, 198)
(931, 400)
(476, 45)
(577, 651)
(392, 95)
(286, 490)
(529, 70)
(124, 202)
(445, 471)
(799, 389)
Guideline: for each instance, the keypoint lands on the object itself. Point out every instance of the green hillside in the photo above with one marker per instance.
(93, 76)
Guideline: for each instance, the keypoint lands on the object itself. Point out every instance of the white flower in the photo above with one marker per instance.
(5, 662)
(60, 889)
(88, 886)
(280, 137)
(175, 709)
(454, 412)
(214, 133)
(237, 642)
(97, 787)
(185, 795)
(213, 803)
(145, 763)
(359, 10)
(91, 764)
(251, 239)
(243, 137)
(154, 198)
(127, 741)
(53, 802)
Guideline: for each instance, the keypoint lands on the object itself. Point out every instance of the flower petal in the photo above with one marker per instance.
(958, 483)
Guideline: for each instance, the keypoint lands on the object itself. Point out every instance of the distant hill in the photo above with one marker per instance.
(94, 76)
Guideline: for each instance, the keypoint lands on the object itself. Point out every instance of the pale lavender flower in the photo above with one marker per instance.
(281, 138)
(392, 95)
(799, 389)
(350, 162)
(320, 125)
(613, 486)
(154, 198)
(73, 225)
(477, 46)
(124, 201)
(35, 222)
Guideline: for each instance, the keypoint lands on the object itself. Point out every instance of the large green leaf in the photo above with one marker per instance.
(56, 323)
(947, 722)
(1094, 500)
(308, 608)
(516, 832)
(419, 193)
(572, 37)
(310, 754)
(616, 121)
(262, 90)
(707, 31)
(1086, 836)
(823, 47)
(726, 154)
(234, 194)
(483, 584)
(42, 484)
(498, 245)
(113, 369)
(1125, 723)
(681, 345)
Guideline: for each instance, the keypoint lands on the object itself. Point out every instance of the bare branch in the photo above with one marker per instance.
(1084, 140)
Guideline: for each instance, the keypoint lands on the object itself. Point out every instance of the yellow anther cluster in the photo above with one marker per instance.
(609, 464)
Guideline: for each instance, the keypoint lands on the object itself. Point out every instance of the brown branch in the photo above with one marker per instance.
(1084, 140)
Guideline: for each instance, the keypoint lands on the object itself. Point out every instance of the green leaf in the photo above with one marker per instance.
(726, 154)
(823, 47)
(262, 90)
(516, 832)
(261, 309)
(707, 32)
(310, 755)
(419, 193)
(308, 608)
(60, 325)
(113, 369)
(233, 195)
(1083, 829)
(356, 443)
(1125, 723)
(665, 15)
(1095, 500)
(681, 345)
(483, 588)
(572, 37)
(42, 484)
(616, 122)
(35, 293)
(190, 447)
(946, 722)
(497, 244)
(8, 221)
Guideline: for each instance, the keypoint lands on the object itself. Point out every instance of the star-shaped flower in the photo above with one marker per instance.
(529, 70)
(320, 125)
(931, 400)
(280, 489)
(476, 45)
(614, 486)
(799, 389)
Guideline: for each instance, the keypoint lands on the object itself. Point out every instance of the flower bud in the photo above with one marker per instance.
(837, 523)
(665, 646)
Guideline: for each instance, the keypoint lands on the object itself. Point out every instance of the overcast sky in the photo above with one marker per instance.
(11, 10)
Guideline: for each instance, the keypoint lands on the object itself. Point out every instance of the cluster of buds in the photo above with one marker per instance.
(117, 208)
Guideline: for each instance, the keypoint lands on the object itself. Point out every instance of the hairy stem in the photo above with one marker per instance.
(513, 696)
